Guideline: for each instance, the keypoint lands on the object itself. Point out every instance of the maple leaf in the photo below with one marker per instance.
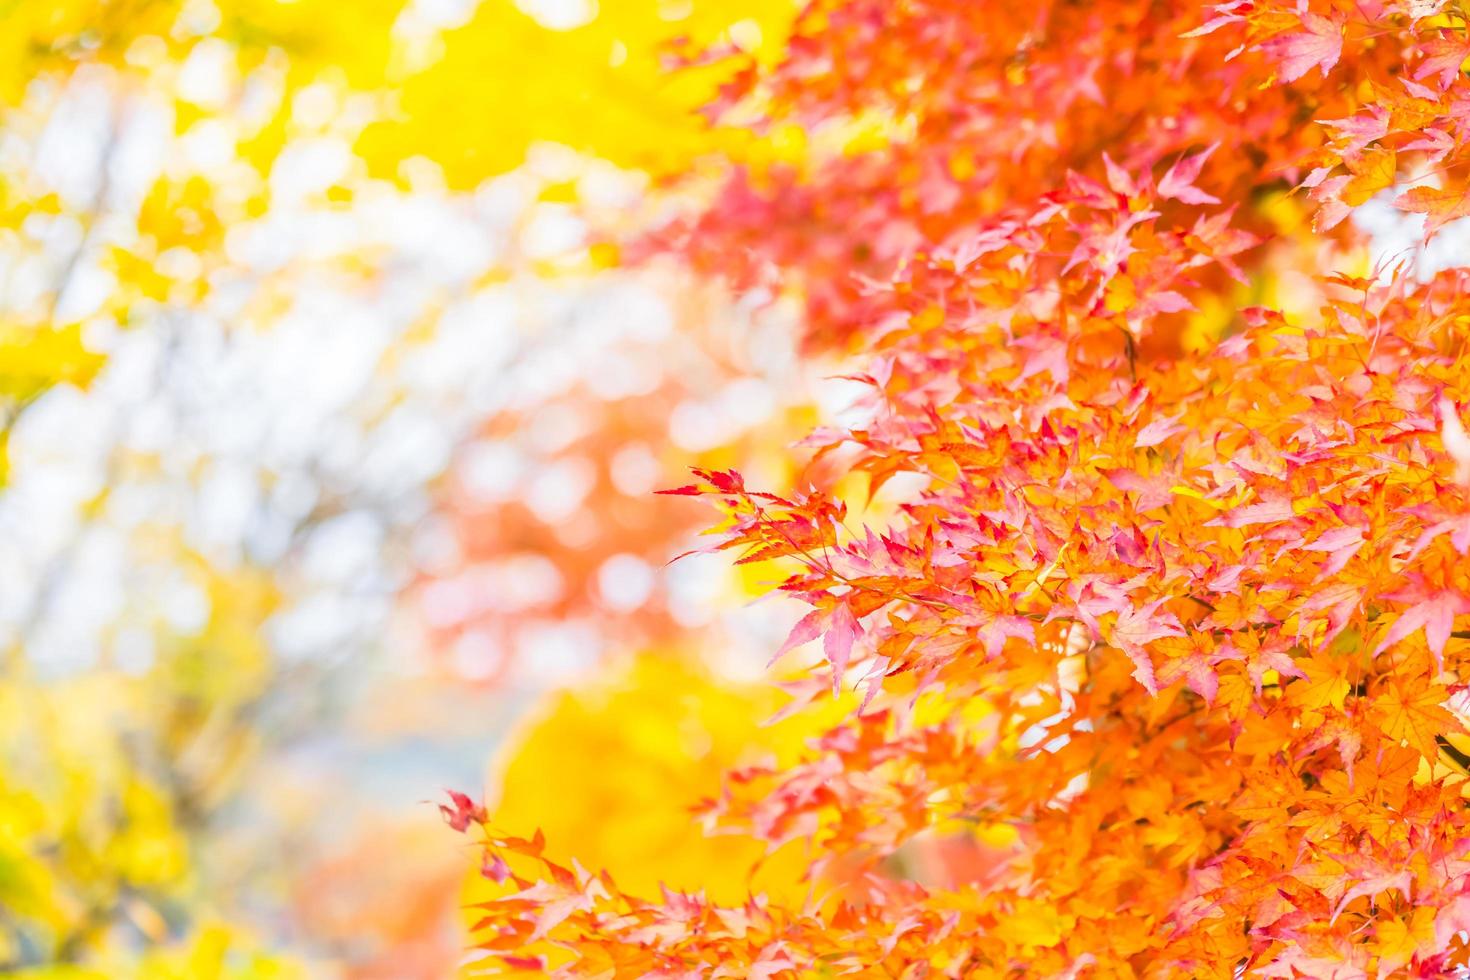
(1157, 431)
(1443, 57)
(493, 867)
(1266, 512)
(1136, 627)
(1341, 544)
(1434, 143)
(1178, 181)
(1351, 135)
(1333, 209)
(1343, 733)
(1323, 685)
(1457, 527)
(1231, 12)
(461, 811)
(1399, 941)
(1433, 610)
(995, 631)
(1317, 45)
(843, 630)
(1401, 881)
(1452, 918)
(1439, 205)
(522, 962)
(1415, 715)
(808, 628)
(1120, 180)
(1197, 673)
(1371, 173)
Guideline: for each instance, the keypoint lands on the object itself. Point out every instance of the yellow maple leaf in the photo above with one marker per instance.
(1414, 715)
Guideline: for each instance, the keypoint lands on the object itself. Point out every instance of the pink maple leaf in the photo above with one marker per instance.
(1443, 57)
(1178, 182)
(842, 632)
(1317, 45)
(1138, 626)
(1267, 512)
(1433, 611)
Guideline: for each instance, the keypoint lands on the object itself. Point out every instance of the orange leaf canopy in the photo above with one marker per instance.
(1182, 605)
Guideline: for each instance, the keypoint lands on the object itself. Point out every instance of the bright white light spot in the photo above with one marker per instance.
(436, 548)
(624, 375)
(208, 146)
(439, 14)
(521, 582)
(186, 608)
(603, 185)
(314, 106)
(477, 655)
(746, 34)
(579, 532)
(491, 471)
(625, 582)
(747, 401)
(1398, 236)
(642, 312)
(447, 601)
(132, 651)
(552, 231)
(555, 493)
(635, 470)
(553, 653)
(697, 426)
(560, 15)
(310, 167)
(556, 427)
(695, 588)
(205, 77)
(343, 547)
(200, 17)
(179, 263)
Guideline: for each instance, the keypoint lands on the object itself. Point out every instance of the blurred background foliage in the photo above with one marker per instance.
(328, 430)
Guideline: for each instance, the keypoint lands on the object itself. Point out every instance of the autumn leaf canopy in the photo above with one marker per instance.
(1165, 649)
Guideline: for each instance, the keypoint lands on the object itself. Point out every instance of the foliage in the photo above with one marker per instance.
(107, 777)
(178, 177)
(596, 83)
(1181, 605)
(667, 731)
(215, 953)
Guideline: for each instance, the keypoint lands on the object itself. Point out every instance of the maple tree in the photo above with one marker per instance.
(1166, 661)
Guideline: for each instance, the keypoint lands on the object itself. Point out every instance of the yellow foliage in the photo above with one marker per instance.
(32, 360)
(98, 787)
(504, 81)
(80, 823)
(35, 37)
(610, 771)
(216, 952)
(354, 40)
